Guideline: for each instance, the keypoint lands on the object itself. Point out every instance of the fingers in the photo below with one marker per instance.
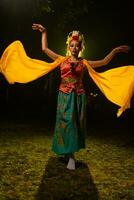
(36, 24)
(38, 27)
(128, 48)
(123, 48)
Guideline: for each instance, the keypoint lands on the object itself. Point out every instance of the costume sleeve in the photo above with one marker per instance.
(116, 84)
(16, 66)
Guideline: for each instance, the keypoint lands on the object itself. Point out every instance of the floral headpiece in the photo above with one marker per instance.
(75, 35)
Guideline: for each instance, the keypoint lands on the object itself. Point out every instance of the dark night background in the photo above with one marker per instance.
(105, 25)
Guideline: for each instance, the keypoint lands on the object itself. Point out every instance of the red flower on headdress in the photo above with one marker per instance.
(75, 37)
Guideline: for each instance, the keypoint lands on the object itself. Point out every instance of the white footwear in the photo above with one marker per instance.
(71, 164)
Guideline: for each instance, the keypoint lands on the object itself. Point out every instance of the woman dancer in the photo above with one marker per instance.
(69, 134)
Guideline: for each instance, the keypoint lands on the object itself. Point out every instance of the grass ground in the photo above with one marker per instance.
(30, 171)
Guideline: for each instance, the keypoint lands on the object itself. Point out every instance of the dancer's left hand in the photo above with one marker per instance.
(122, 48)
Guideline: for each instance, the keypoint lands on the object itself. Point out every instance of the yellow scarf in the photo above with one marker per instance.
(116, 84)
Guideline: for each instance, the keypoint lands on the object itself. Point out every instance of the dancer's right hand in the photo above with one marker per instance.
(39, 27)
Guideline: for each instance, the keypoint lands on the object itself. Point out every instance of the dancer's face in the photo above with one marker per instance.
(74, 48)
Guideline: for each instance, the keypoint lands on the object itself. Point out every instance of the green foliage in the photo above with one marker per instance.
(43, 6)
(65, 12)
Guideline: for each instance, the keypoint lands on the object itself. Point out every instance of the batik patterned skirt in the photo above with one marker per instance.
(70, 127)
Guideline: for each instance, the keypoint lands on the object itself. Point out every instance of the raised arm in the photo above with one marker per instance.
(109, 57)
(45, 48)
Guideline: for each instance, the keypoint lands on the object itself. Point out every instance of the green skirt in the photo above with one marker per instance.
(70, 127)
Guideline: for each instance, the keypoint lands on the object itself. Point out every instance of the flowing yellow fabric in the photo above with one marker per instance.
(116, 84)
(16, 66)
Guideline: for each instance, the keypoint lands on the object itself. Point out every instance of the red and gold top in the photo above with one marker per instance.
(71, 76)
